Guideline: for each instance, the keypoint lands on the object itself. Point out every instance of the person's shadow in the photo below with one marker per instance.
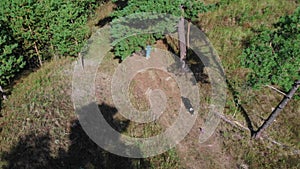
(34, 152)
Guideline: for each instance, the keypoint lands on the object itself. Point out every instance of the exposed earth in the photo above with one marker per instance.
(193, 155)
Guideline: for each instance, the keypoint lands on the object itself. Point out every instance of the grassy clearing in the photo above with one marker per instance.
(229, 26)
(39, 126)
(39, 105)
(169, 159)
(228, 29)
(40, 129)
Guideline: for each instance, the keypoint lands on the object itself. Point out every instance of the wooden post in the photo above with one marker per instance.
(278, 109)
(182, 40)
(188, 35)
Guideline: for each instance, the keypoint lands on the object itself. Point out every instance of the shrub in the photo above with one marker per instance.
(274, 55)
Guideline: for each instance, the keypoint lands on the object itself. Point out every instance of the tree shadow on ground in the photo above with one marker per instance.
(194, 62)
(240, 107)
(34, 151)
(120, 4)
(197, 67)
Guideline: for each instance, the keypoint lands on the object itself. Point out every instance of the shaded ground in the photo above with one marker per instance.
(34, 151)
(41, 130)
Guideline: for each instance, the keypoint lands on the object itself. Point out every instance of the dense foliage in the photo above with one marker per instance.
(35, 30)
(135, 43)
(10, 63)
(274, 55)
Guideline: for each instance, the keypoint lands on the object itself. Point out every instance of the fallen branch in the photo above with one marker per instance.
(233, 123)
(277, 90)
(278, 109)
(242, 127)
(36, 48)
(275, 142)
(38, 54)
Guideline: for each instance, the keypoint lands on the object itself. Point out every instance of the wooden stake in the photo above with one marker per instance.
(188, 35)
(182, 39)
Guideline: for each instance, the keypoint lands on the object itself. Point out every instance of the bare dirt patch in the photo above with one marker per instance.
(147, 81)
(192, 154)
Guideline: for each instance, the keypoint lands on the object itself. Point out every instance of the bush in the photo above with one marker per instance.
(274, 55)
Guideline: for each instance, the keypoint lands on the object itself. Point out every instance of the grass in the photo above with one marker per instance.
(40, 110)
(38, 105)
(39, 122)
(229, 26)
(228, 29)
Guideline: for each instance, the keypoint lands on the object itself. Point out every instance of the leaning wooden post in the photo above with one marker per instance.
(278, 109)
(188, 35)
(182, 40)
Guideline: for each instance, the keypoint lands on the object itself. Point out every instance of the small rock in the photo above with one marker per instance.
(244, 166)
(56, 141)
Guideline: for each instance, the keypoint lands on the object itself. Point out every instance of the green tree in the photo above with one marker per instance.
(10, 62)
(37, 30)
(132, 44)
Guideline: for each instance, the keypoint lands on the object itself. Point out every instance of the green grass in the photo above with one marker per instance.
(228, 29)
(229, 26)
(40, 104)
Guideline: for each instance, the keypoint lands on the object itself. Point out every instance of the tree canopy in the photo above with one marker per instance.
(33, 31)
(135, 43)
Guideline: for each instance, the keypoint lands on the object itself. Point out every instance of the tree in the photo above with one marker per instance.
(131, 44)
(33, 31)
(11, 59)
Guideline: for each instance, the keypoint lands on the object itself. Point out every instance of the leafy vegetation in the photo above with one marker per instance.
(10, 63)
(33, 31)
(274, 55)
(130, 44)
